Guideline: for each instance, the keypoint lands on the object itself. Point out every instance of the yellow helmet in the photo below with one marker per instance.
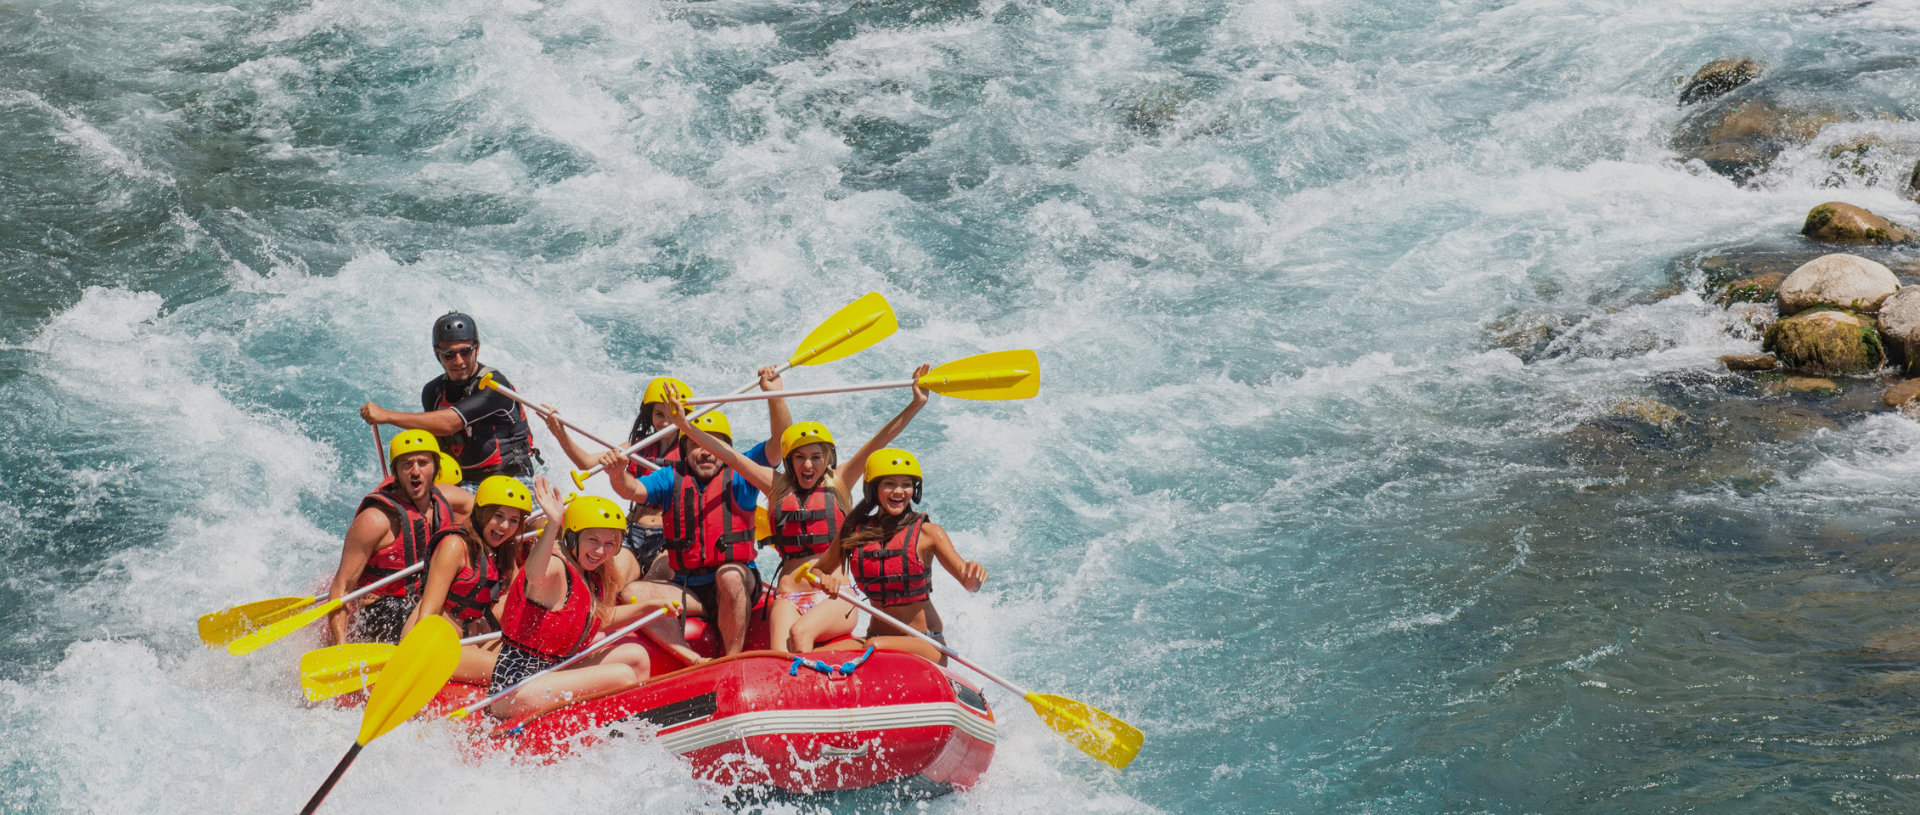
(594, 512)
(657, 390)
(449, 471)
(715, 423)
(803, 434)
(412, 441)
(892, 461)
(503, 490)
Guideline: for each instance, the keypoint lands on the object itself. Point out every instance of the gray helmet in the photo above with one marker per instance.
(455, 327)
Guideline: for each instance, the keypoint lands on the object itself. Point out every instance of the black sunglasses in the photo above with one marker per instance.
(450, 353)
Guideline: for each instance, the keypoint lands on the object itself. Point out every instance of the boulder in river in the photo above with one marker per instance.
(1749, 362)
(1718, 77)
(1899, 322)
(1901, 393)
(1760, 288)
(1839, 280)
(1838, 222)
(1738, 141)
(1826, 341)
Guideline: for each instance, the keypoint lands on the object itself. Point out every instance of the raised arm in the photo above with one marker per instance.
(778, 417)
(448, 559)
(851, 469)
(934, 539)
(757, 474)
(546, 587)
(579, 455)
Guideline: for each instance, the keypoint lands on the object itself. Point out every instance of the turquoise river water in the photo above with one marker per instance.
(1302, 496)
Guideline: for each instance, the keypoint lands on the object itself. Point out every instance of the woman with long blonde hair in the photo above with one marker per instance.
(564, 596)
(807, 500)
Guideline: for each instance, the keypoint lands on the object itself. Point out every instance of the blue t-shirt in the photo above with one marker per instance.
(659, 483)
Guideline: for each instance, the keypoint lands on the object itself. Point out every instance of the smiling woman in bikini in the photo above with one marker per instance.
(806, 502)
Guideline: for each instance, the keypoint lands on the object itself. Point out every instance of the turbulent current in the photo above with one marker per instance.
(1382, 464)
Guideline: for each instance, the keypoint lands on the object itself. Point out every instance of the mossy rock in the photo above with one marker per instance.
(1760, 288)
(1839, 222)
(1826, 341)
(1720, 76)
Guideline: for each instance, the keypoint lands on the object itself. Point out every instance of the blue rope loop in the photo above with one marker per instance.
(843, 669)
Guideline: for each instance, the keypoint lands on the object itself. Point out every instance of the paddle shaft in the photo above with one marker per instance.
(749, 397)
(381, 583)
(657, 435)
(858, 603)
(379, 450)
(338, 770)
(508, 392)
(800, 357)
(604, 642)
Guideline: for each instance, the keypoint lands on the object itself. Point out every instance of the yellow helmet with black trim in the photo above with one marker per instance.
(803, 434)
(505, 491)
(594, 512)
(449, 471)
(657, 390)
(714, 423)
(892, 461)
(412, 441)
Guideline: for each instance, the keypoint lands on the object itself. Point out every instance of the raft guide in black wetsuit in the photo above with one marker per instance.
(496, 439)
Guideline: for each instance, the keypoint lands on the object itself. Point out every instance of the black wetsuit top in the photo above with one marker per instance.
(496, 440)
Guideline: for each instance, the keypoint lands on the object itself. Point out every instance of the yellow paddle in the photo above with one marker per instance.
(1096, 732)
(341, 669)
(997, 375)
(420, 667)
(228, 624)
(256, 640)
(852, 329)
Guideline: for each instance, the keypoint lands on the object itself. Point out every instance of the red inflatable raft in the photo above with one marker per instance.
(826, 720)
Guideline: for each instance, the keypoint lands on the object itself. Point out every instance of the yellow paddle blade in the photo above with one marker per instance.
(849, 331)
(1091, 729)
(329, 672)
(991, 376)
(761, 528)
(228, 624)
(420, 667)
(273, 632)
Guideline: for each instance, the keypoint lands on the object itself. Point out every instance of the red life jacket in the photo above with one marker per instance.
(557, 633)
(805, 522)
(412, 542)
(890, 571)
(473, 591)
(704, 527)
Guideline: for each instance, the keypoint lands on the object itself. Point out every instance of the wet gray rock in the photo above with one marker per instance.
(1839, 280)
(1749, 362)
(1901, 394)
(1899, 322)
(1720, 76)
(1738, 139)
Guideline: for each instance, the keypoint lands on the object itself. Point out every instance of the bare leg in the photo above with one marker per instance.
(911, 645)
(781, 614)
(476, 663)
(666, 631)
(827, 619)
(735, 607)
(624, 665)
